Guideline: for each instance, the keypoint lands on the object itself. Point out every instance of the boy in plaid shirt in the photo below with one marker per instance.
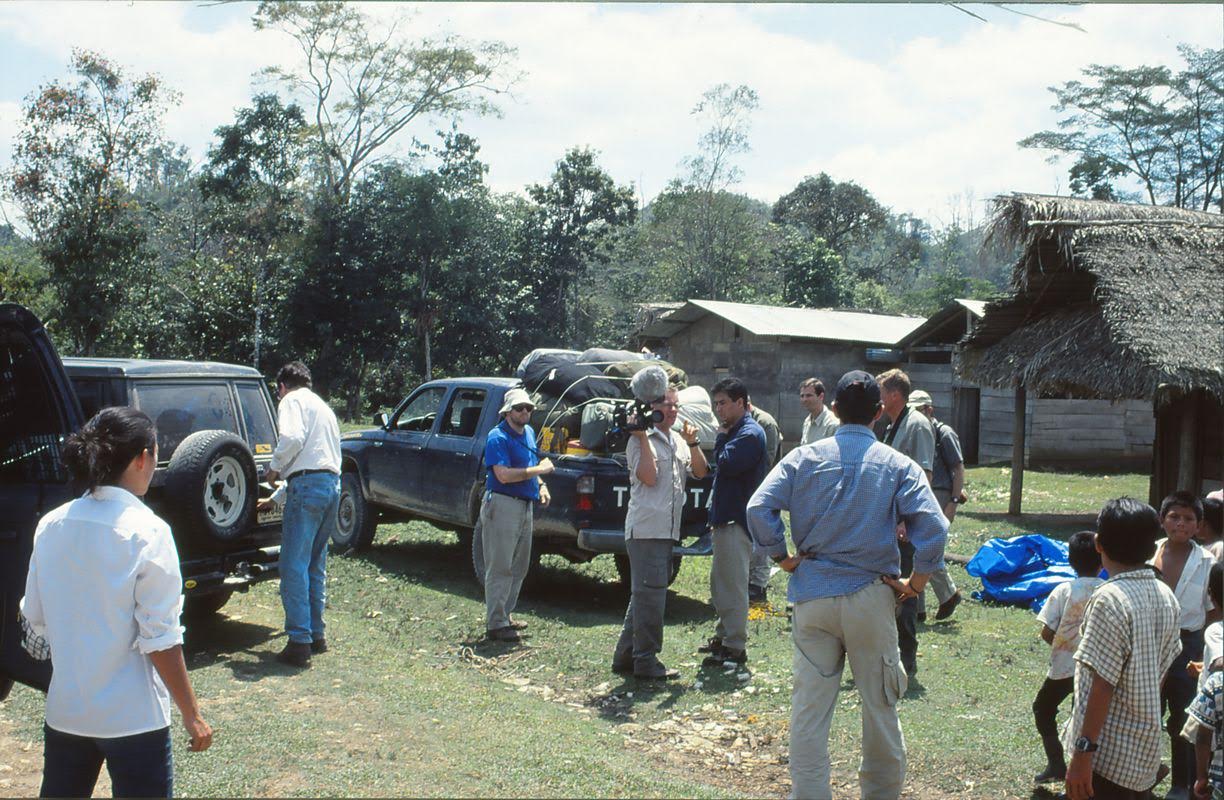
(1129, 639)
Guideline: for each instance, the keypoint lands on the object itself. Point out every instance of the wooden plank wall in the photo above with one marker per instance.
(1069, 431)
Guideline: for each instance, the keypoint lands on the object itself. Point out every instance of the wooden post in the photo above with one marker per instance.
(1187, 445)
(1017, 474)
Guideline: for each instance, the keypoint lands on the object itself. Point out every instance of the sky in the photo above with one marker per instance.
(921, 104)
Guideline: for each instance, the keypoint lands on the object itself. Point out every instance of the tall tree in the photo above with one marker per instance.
(363, 85)
(573, 217)
(813, 275)
(1162, 130)
(77, 151)
(712, 172)
(841, 213)
(255, 205)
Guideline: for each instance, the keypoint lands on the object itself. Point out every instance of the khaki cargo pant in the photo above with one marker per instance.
(860, 627)
(506, 524)
(729, 584)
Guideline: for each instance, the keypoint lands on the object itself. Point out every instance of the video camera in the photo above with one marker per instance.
(636, 416)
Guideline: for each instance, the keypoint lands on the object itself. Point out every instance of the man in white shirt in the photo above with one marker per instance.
(308, 455)
(820, 423)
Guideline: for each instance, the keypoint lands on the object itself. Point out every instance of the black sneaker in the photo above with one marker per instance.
(506, 634)
(295, 654)
(318, 646)
(622, 669)
(724, 656)
(948, 606)
(664, 674)
(712, 646)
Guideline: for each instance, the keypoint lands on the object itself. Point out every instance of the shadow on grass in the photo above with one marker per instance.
(219, 640)
(550, 592)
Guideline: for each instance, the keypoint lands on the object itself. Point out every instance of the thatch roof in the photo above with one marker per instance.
(1108, 300)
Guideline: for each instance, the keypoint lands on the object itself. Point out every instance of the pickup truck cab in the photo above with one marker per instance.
(426, 461)
(216, 432)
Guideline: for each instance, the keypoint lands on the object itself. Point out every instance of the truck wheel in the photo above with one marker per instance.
(210, 490)
(622, 570)
(478, 561)
(355, 520)
(202, 606)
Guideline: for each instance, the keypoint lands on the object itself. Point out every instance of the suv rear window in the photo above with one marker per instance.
(261, 431)
(30, 429)
(181, 409)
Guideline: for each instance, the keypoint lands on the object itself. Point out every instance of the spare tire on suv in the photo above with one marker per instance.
(210, 490)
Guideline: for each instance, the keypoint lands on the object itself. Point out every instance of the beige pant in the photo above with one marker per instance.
(861, 627)
(940, 580)
(505, 524)
(729, 584)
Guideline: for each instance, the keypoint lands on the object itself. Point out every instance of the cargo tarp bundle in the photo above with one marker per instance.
(603, 356)
(1021, 570)
(676, 377)
(574, 383)
(558, 356)
(696, 409)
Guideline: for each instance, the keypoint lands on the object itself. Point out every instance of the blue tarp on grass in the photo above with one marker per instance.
(1022, 570)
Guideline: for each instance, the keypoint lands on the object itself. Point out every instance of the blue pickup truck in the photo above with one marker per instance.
(426, 461)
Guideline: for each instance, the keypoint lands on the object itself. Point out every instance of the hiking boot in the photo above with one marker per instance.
(1052, 772)
(947, 607)
(758, 594)
(622, 669)
(517, 625)
(506, 634)
(318, 646)
(712, 646)
(662, 674)
(295, 654)
(725, 655)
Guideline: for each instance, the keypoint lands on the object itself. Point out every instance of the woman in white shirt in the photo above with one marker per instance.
(105, 592)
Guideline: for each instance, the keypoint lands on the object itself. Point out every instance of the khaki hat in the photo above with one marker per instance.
(918, 399)
(515, 397)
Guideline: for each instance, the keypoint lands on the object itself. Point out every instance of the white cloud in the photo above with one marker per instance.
(915, 121)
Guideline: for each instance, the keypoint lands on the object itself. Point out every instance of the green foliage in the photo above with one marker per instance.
(813, 275)
(1161, 129)
(842, 214)
(570, 226)
(77, 151)
(23, 276)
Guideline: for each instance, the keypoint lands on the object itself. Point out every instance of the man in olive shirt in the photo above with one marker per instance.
(659, 460)
(909, 432)
(820, 422)
(760, 566)
(948, 481)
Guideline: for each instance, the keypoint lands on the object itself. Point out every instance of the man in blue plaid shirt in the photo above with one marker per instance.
(845, 495)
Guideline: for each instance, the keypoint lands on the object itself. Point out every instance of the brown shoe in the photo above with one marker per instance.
(295, 654)
(506, 634)
(518, 625)
(318, 646)
(948, 606)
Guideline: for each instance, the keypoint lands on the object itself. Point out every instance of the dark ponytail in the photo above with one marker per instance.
(99, 453)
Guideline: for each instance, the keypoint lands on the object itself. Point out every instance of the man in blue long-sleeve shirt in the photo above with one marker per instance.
(845, 496)
(739, 452)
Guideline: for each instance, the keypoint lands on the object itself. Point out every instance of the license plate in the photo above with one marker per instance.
(269, 516)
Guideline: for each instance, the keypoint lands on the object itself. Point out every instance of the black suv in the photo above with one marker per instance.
(216, 432)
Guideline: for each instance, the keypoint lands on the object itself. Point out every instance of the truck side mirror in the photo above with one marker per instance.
(380, 419)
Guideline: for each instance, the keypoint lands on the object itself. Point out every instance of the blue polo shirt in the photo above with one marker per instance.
(509, 449)
(740, 465)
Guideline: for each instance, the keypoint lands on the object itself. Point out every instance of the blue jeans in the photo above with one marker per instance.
(310, 518)
(139, 765)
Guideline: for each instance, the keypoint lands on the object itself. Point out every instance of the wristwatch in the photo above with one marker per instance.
(1085, 745)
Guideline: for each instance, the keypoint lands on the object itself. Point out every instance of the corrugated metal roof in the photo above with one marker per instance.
(978, 307)
(795, 323)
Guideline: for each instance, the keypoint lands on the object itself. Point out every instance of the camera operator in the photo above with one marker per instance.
(659, 459)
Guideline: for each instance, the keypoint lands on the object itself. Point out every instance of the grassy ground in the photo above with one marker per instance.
(411, 702)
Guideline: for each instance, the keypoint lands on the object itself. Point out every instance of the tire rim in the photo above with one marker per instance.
(225, 492)
(346, 515)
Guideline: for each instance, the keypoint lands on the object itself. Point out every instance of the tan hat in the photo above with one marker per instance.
(515, 397)
(919, 398)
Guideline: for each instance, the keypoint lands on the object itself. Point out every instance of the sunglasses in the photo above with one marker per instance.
(522, 407)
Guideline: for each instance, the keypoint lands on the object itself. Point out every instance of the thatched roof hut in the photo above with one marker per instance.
(1109, 301)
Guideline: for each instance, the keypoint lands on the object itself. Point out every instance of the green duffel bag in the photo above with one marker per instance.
(596, 422)
(676, 377)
